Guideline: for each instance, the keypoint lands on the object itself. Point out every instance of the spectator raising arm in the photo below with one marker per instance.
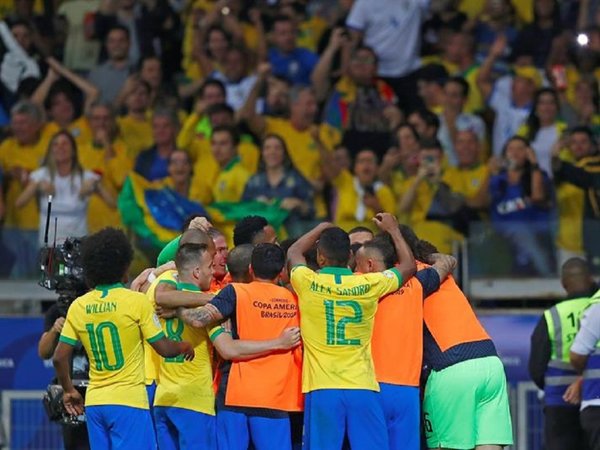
(321, 75)
(484, 79)
(247, 112)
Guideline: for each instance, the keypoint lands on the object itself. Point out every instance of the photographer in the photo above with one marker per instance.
(75, 437)
(428, 200)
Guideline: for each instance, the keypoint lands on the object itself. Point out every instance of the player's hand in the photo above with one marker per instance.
(386, 222)
(447, 261)
(73, 402)
(200, 223)
(58, 325)
(573, 393)
(186, 350)
(165, 313)
(141, 279)
(289, 338)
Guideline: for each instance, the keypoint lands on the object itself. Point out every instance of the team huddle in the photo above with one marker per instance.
(344, 329)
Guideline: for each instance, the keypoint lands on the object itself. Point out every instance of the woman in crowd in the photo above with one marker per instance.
(521, 207)
(62, 176)
(543, 127)
(277, 179)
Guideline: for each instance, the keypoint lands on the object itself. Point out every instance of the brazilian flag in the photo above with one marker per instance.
(155, 213)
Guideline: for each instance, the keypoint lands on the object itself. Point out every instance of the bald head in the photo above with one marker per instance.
(576, 277)
(195, 236)
(238, 263)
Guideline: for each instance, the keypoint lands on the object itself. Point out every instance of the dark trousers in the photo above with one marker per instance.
(75, 438)
(590, 422)
(562, 430)
(405, 88)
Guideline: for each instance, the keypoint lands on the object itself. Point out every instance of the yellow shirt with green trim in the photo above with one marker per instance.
(350, 210)
(466, 181)
(151, 358)
(111, 322)
(186, 384)
(28, 157)
(337, 311)
(136, 134)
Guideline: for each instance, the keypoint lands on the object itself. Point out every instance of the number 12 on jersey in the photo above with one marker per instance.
(336, 332)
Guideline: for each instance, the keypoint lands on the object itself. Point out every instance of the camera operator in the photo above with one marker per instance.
(75, 437)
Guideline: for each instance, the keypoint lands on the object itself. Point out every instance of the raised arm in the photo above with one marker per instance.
(239, 349)
(320, 76)
(295, 254)
(90, 92)
(247, 112)
(484, 79)
(407, 265)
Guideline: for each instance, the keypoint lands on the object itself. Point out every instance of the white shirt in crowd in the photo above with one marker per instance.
(236, 93)
(392, 28)
(67, 206)
(542, 145)
(508, 116)
(464, 121)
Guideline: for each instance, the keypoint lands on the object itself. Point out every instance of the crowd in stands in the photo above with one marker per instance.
(446, 113)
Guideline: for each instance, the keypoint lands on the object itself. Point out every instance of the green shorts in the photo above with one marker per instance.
(466, 405)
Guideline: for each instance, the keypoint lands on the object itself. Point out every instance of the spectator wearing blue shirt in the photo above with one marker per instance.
(521, 202)
(277, 179)
(153, 163)
(288, 61)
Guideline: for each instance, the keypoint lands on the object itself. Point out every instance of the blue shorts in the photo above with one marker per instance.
(331, 413)
(402, 412)
(236, 430)
(115, 427)
(182, 429)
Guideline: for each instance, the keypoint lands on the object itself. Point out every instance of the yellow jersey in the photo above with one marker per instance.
(113, 172)
(186, 384)
(151, 358)
(466, 182)
(227, 186)
(436, 232)
(28, 157)
(79, 129)
(337, 311)
(136, 134)
(111, 322)
(201, 153)
(350, 211)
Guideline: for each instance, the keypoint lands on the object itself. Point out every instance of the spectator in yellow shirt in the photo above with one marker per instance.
(57, 93)
(228, 182)
(470, 178)
(136, 127)
(19, 156)
(419, 194)
(360, 196)
(306, 142)
(106, 155)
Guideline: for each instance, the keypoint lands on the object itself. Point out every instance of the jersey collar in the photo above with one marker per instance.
(104, 288)
(335, 271)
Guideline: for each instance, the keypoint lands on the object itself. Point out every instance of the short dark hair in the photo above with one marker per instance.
(409, 237)
(238, 262)
(189, 254)
(247, 229)
(429, 144)
(267, 261)
(462, 83)
(118, 27)
(211, 82)
(231, 130)
(219, 108)
(387, 251)
(360, 229)
(334, 244)
(429, 117)
(584, 129)
(105, 257)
